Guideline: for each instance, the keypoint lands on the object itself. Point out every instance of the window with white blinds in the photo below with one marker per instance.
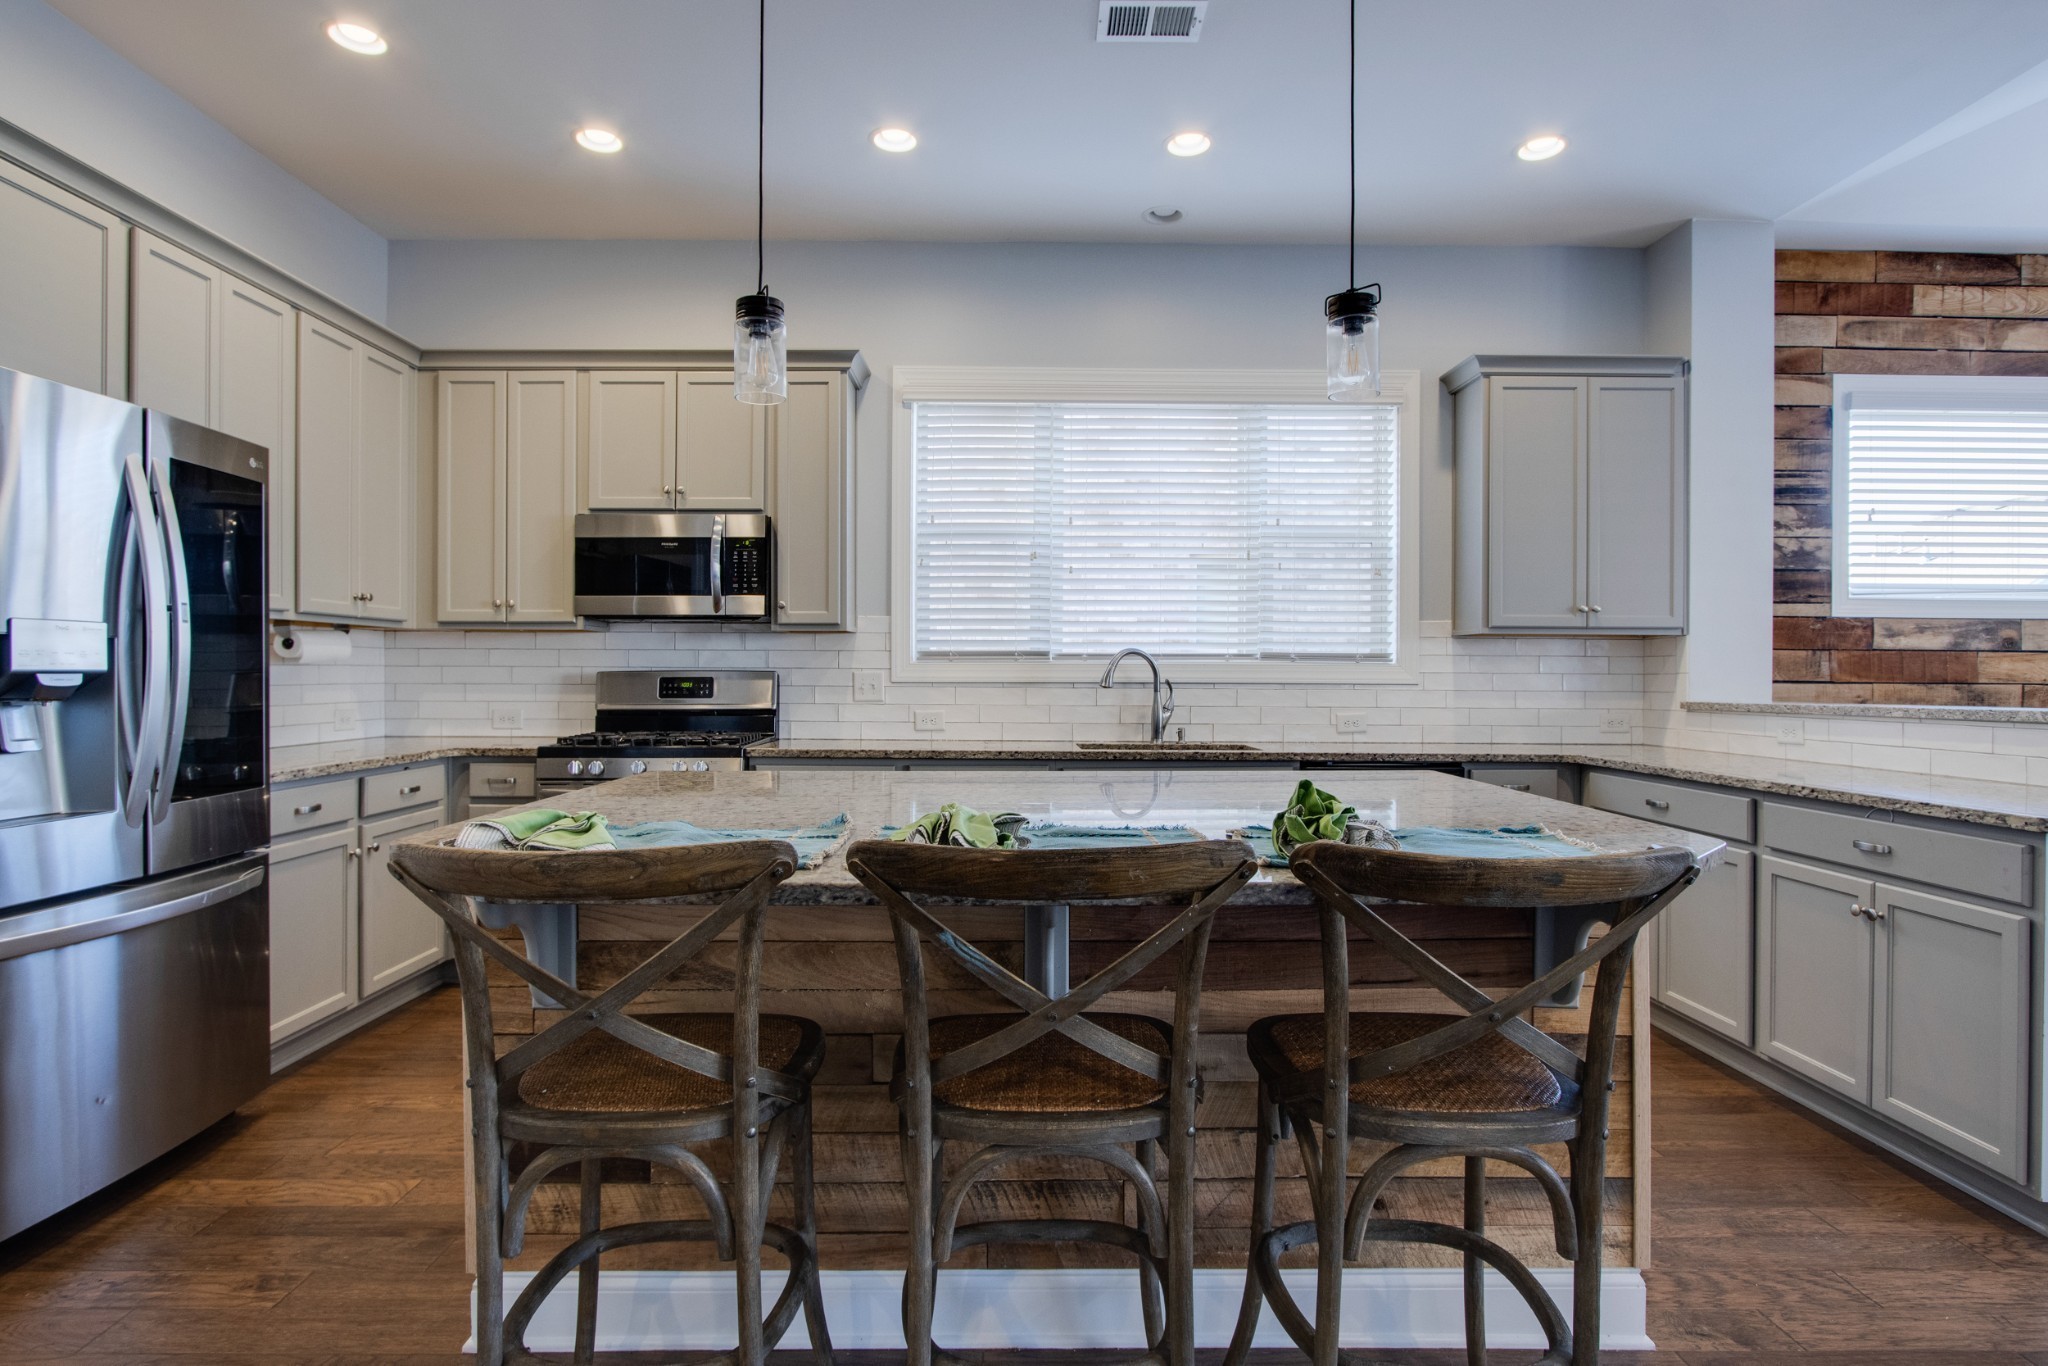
(1043, 530)
(1941, 496)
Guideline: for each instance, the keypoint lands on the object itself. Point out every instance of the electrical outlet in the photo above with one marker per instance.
(1789, 731)
(1351, 722)
(506, 716)
(1614, 722)
(868, 685)
(928, 720)
(347, 718)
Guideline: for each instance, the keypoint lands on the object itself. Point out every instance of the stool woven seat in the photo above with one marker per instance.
(598, 1074)
(1052, 1073)
(1490, 1075)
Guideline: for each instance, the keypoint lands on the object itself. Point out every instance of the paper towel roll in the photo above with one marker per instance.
(310, 647)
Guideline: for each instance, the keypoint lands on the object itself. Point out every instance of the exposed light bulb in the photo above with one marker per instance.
(358, 38)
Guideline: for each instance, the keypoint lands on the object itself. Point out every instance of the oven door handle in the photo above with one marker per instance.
(718, 565)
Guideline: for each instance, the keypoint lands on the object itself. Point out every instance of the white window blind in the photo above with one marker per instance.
(1044, 530)
(1947, 497)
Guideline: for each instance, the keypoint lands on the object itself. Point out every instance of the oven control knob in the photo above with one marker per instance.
(575, 768)
(638, 765)
(595, 768)
(700, 767)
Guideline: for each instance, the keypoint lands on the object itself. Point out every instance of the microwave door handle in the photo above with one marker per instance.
(718, 565)
(180, 677)
(145, 755)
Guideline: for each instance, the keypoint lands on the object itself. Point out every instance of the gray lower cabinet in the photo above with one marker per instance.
(1705, 951)
(1949, 1058)
(312, 930)
(1814, 974)
(400, 936)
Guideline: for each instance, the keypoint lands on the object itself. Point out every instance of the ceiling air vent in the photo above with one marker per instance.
(1121, 21)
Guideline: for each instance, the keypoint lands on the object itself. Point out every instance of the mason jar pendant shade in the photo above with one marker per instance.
(1351, 317)
(760, 338)
(760, 354)
(1352, 344)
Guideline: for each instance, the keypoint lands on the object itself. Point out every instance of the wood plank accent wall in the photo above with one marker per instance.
(1904, 313)
(837, 966)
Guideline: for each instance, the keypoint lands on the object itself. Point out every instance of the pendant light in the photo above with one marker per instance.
(760, 341)
(1351, 317)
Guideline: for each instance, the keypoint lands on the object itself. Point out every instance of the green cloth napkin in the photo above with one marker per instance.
(542, 828)
(964, 826)
(1311, 814)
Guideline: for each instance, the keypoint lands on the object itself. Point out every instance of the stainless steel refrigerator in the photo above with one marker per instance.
(134, 916)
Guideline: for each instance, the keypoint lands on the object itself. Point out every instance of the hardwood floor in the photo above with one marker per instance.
(323, 1227)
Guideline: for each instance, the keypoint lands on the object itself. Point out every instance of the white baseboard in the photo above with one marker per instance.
(1387, 1308)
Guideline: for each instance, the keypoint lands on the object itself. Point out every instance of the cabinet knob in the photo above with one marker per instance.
(1582, 608)
(781, 605)
(666, 489)
(372, 597)
(375, 845)
(1596, 609)
(497, 602)
(512, 604)
(355, 853)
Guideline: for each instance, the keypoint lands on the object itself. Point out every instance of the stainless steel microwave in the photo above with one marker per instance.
(673, 565)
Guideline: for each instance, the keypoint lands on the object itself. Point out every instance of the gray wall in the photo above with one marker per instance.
(1031, 305)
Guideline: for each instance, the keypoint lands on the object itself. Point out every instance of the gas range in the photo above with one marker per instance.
(663, 721)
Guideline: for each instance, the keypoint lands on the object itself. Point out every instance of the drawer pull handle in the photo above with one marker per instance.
(308, 810)
(1870, 847)
(1656, 803)
(501, 782)
(408, 791)
(1516, 787)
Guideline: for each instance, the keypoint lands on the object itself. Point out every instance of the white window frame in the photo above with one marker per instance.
(1847, 388)
(1401, 390)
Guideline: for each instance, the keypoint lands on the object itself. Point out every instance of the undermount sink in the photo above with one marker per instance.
(1160, 744)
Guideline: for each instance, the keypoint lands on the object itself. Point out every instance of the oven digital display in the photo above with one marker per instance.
(677, 688)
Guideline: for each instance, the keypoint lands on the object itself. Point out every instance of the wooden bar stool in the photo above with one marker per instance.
(1478, 1085)
(600, 1083)
(1051, 1078)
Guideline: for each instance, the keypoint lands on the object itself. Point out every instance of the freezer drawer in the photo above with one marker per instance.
(129, 1022)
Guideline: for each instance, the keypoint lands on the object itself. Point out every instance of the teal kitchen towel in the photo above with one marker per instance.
(1505, 841)
(813, 842)
(1056, 836)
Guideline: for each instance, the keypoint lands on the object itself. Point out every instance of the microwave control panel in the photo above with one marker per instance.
(746, 566)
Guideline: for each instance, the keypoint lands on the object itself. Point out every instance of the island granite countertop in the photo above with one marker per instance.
(1213, 804)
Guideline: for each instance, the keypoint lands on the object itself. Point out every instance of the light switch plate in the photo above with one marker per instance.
(868, 685)
(928, 720)
(1350, 722)
(347, 720)
(1789, 730)
(506, 716)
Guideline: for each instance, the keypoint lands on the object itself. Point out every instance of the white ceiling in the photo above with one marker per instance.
(1032, 131)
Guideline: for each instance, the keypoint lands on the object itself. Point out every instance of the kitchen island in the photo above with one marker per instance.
(830, 958)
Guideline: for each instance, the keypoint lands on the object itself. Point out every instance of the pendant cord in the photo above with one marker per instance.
(1354, 143)
(761, 160)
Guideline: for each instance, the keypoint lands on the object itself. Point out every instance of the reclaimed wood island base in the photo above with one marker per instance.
(830, 958)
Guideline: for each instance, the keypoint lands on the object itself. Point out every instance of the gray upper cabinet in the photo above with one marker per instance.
(63, 285)
(355, 463)
(658, 439)
(214, 349)
(1570, 504)
(812, 440)
(1950, 1057)
(506, 451)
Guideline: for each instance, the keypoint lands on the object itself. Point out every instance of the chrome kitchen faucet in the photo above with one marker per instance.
(1162, 708)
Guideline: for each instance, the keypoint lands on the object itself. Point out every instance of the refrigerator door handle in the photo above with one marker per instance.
(180, 676)
(146, 755)
(116, 913)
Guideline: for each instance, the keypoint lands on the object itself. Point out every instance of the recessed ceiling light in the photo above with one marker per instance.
(1188, 144)
(1163, 215)
(599, 140)
(895, 139)
(1541, 149)
(358, 38)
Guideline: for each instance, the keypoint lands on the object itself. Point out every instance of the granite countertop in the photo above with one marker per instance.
(290, 763)
(2011, 805)
(1212, 803)
(2026, 716)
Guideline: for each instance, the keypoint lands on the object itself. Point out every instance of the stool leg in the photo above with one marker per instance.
(746, 1241)
(1180, 1243)
(919, 1274)
(1475, 1270)
(1148, 1276)
(1334, 1174)
(802, 1175)
(1589, 1197)
(592, 1172)
(489, 1175)
(1263, 1176)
